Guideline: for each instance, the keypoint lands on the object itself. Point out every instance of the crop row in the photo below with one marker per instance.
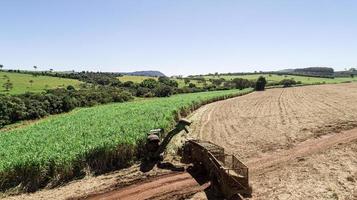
(96, 139)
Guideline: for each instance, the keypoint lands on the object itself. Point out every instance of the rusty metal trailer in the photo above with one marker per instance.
(227, 174)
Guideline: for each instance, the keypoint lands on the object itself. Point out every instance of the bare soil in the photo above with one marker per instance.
(299, 143)
(329, 174)
(290, 139)
(276, 119)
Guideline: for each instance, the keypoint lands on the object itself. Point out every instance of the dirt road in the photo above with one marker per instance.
(162, 187)
(301, 150)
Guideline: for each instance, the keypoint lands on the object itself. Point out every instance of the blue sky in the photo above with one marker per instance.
(178, 37)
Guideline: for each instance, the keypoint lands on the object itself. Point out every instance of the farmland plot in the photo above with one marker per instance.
(23, 83)
(99, 138)
(319, 164)
(280, 120)
(277, 118)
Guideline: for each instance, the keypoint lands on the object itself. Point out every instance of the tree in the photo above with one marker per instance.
(128, 84)
(31, 82)
(352, 76)
(70, 87)
(149, 83)
(167, 81)
(191, 85)
(241, 83)
(34, 74)
(8, 85)
(1, 66)
(163, 90)
(260, 84)
(187, 81)
(287, 82)
(218, 82)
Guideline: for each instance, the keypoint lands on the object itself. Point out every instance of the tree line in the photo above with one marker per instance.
(102, 88)
(28, 106)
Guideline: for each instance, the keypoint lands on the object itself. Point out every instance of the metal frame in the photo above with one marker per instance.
(232, 174)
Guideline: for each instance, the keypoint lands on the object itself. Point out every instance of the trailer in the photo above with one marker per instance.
(227, 174)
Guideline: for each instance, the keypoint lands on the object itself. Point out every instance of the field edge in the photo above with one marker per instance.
(96, 162)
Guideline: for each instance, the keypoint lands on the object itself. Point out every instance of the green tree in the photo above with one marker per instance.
(163, 90)
(35, 74)
(191, 85)
(1, 66)
(70, 87)
(287, 82)
(8, 85)
(149, 83)
(31, 82)
(168, 81)
(260, 84)
(187, 81)
(241, 83)
(218, 82)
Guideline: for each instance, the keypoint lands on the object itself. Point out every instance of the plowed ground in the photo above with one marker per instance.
(271, 132)
(277, 119)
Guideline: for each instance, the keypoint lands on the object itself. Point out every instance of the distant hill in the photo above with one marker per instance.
(347, 73)
(144, 73)
(287, 70)
(310, 71)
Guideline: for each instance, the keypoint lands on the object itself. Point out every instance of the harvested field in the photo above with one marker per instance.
(289, 138)
(329, 174)
(277, 119)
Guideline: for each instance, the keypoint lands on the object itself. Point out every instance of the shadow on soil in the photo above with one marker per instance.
(200, 175)
(148, 166)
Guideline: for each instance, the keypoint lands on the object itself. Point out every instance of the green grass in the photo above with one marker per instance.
(21, 82)
(276, 78)
(135, 79)
(98, 138)
(139, 79)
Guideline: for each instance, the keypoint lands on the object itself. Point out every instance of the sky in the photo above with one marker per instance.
(179, 37)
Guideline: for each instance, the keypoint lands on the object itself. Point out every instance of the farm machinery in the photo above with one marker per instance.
(227, 174)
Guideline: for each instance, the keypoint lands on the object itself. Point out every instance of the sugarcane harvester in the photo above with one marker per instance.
(155, 148)
(228, 175)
